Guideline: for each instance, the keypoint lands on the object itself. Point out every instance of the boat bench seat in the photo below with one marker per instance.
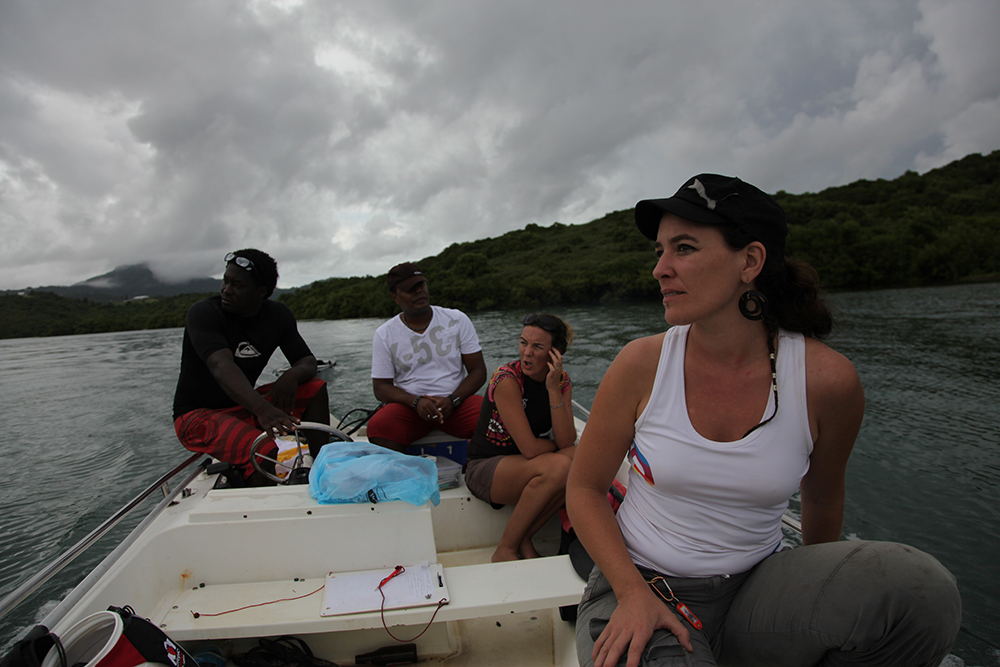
(476, 591)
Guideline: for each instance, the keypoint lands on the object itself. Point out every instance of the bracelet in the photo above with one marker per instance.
(415, 401)
(556, 407)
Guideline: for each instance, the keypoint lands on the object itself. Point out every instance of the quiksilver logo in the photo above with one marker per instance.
(246, 351)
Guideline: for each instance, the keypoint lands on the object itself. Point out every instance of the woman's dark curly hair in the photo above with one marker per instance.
(558, 328)
(265, 269)
(792, 288)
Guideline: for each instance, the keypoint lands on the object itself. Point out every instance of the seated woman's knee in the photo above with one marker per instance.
(555, 467)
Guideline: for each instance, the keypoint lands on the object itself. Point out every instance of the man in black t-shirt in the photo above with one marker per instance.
(228, 340)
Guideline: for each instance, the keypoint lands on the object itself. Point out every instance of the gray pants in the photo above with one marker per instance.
(840, 603)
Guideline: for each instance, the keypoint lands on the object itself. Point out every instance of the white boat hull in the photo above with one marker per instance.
(220, 550)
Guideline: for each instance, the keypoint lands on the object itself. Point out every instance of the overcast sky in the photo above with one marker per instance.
(344, 137)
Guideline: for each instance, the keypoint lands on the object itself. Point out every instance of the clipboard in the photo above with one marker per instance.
(420, 585)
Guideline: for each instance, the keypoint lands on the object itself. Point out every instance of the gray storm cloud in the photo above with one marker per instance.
(345, 137)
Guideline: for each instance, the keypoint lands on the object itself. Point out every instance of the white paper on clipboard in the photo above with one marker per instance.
(355, 592)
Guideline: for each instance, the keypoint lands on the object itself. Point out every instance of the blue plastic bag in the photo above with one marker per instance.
(359, 472)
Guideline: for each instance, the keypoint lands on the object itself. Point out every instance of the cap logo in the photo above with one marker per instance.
(700, 189)
(710, 203)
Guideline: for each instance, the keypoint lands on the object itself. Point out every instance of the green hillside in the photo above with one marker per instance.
(941, 227)
(604, 260)
(46, 314)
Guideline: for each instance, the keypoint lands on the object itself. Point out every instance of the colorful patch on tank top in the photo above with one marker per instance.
(640, 464)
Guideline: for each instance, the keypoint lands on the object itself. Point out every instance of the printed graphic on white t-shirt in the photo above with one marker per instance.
(425, 363)
(433, 344)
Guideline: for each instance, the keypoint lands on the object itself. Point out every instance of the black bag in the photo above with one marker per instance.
(31, 651)
(140, 641)
(285, 651)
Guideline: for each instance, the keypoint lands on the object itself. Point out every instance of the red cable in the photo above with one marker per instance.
(442, 602)
(260, 604)
(399, 570)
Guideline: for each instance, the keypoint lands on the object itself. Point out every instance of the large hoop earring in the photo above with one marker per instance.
(753, 305)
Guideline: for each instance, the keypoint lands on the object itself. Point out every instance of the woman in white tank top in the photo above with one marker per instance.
(723, 418)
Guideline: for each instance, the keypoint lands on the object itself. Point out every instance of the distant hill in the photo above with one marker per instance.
(128, 282)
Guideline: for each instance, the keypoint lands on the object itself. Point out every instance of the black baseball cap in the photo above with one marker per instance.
(712, 199)
(404, 276)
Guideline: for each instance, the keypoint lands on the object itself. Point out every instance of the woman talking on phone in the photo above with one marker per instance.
(521, 451)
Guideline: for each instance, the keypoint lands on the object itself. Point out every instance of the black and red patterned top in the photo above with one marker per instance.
(491, 437)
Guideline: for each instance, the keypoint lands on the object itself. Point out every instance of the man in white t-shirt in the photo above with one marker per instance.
(427, 366)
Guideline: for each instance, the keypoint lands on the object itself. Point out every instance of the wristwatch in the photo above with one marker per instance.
(455, 400)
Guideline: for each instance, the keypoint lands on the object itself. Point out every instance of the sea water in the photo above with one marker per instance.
(86, 427)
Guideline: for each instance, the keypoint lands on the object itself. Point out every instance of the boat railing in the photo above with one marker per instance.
(792, 522)
(53, 568)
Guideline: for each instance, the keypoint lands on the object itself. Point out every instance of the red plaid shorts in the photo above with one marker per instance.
(227, 434)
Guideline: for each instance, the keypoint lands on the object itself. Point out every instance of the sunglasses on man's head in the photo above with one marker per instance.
(241, 262)
(546, 322)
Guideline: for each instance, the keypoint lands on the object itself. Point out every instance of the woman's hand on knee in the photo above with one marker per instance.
(630, 628)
